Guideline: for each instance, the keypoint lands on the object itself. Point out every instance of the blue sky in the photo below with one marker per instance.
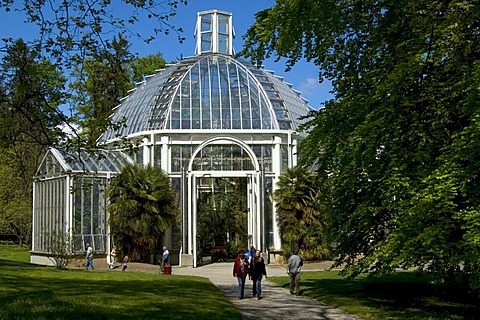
(303, 76)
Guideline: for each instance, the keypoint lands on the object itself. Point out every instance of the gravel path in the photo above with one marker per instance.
(277, 302)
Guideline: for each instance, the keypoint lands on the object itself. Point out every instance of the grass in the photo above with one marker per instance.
(48, 293)
(14, 253)
(402, 295)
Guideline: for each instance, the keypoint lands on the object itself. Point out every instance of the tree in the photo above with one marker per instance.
(102, 81)
(144, 66)
(298, 216)
(142, 207)
(15, 198)
(59, 245)
(73, 32)
(406, 77)
(35, 103)
(70, 31)
(30, 91)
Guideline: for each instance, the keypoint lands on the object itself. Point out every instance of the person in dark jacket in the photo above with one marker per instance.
(240, 270)
(257, 271)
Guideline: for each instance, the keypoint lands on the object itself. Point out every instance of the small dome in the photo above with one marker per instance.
(210, 91)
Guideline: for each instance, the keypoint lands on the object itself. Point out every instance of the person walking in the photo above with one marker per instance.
(165, 258)
(257, 271)
(240, 270)
(295, 263)
(113, 257)
(89, 257)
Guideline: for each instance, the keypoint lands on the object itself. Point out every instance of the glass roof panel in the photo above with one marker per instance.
(57, 161)
(210, 91)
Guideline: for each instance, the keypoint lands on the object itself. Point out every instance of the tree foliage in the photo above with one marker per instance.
(102, 80)
(142, 207)
(59, 245)
(298, 216)
(30, 91)
(16, 195)
(396, 147)
(144, 66)
(70, 31)
(73, 47)
(81, 34)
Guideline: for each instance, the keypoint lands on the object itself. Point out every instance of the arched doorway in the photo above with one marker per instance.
(225, 157)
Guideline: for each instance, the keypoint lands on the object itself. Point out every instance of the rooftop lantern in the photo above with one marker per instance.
(214, 32)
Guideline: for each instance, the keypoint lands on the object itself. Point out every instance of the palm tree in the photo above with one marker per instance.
(299, 219)
(142, 207)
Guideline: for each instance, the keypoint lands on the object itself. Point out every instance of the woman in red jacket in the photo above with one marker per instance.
(240, 270)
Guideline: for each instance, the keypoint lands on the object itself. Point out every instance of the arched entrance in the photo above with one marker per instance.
(225, 157)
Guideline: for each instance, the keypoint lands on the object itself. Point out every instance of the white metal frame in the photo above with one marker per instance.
(255, 201)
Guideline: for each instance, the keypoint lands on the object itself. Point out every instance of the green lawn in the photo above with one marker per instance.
(14, 253)
(402, 295)
(48, 293)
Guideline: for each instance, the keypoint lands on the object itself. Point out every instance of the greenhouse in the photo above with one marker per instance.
(216, 124)
(69, 201)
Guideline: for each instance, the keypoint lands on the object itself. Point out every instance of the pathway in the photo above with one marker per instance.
(277, 302)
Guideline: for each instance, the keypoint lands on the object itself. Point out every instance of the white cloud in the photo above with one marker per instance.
(309, 86)
(316, 93)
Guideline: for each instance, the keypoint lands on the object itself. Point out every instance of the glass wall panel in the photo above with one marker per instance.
(268, 212)
(206, 24)
(284, 160)
(180, 156)
(207, 42)
(264, 155)
(283, 125)
(223, 23)
(89, 206)
(176, 158)
(185, 114)
(196, 117)
(222, 158)
(223, 43)
(136, 154)
(50, 212)
(77, 215)
(175, 114)
(176, 230)
(157, 156)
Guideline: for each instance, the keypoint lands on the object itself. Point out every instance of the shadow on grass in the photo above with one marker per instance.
(47, 293)
(401, 295)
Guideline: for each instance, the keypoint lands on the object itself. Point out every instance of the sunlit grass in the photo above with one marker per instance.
(48, 293)
(14, 253)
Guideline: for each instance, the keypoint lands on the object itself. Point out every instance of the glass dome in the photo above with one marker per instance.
(210, 91)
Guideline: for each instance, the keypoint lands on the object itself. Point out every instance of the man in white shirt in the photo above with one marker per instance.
(89, 257)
